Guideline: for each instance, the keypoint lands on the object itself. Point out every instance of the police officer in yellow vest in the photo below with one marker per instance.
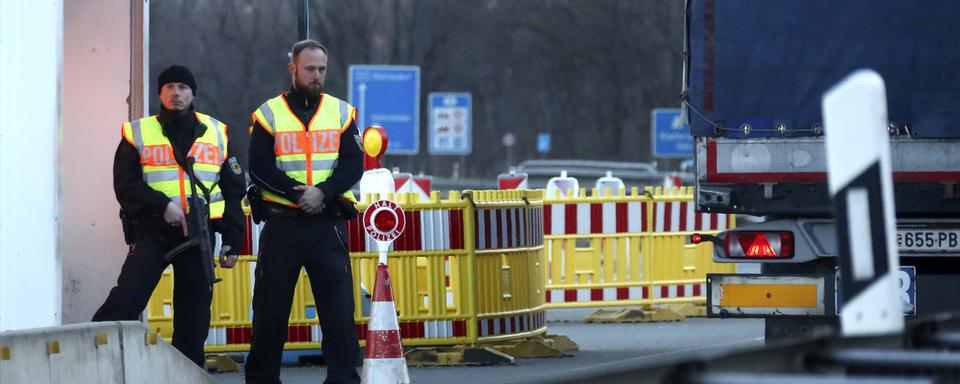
(305, 156)
(153, 189)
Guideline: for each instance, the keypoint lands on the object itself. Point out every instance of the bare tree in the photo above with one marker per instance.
(587, 72)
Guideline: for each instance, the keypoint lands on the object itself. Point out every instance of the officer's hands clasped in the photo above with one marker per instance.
(312, 199)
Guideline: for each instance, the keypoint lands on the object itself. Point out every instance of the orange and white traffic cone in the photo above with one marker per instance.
(383, 361)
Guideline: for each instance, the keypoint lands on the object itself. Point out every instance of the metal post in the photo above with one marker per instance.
(303, 20)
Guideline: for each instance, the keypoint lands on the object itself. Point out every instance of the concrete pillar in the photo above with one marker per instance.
(104, 86)
(30, 136)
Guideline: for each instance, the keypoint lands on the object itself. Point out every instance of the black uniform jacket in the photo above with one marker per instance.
(147, 205)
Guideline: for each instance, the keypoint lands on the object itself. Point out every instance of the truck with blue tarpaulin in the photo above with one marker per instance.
(755, 72)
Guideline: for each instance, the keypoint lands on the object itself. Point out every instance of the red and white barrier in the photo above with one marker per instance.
(500, 228)
(421, 185)
(436, 329)
(512, 180)
(511, 324)
(629, 217)
(588, 218)
(588, 295)
(251, 237)
(677, 216)
(427, 230)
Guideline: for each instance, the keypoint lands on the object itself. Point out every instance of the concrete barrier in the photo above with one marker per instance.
(95, 353)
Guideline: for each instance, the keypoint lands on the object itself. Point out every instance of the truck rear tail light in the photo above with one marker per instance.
(759, 244)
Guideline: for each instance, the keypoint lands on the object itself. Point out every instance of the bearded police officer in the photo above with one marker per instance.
(153, 189)
(304, 157)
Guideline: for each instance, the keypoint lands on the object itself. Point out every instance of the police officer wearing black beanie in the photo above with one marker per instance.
(154, 210)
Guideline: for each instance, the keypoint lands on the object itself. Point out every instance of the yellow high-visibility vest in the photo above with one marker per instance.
(160, 168)
(306, 154)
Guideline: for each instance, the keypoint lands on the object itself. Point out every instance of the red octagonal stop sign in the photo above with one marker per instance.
(383, 220)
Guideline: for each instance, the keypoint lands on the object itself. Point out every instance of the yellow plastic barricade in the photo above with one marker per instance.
(448, 290)
(427, 263)
(508, 244)
(628, 249)
(677, 269)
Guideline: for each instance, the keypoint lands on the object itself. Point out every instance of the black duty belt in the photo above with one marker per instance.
(341, 209)
(278, 211)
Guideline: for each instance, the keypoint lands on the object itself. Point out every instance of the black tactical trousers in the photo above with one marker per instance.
(318, 244)
(139, 276)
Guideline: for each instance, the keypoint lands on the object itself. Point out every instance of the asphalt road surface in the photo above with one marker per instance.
(602, 346)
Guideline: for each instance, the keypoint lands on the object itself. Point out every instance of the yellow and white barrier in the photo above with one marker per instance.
(447, 289)
(486, 265)
(628, 249)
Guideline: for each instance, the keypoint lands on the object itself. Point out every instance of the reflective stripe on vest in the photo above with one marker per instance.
(160, 169)
(296, 165)
(267, 114)
(307, 155)
(214, 197)
(344, 115)
(173, 175)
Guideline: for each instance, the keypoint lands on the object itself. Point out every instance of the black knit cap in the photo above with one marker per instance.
(177, 74)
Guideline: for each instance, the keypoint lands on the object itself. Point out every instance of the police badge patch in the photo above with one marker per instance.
(235, 165)
(359, 142)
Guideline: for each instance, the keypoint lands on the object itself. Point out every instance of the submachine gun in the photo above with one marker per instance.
(198, 225)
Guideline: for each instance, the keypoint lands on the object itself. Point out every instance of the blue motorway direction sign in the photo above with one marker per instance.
(543, 142)
(389, 96)
(671, 135)
(451, 123)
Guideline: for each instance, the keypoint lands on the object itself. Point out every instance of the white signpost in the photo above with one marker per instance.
(383, 359)
(858, 159)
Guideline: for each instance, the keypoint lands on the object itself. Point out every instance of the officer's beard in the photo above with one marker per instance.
(311, 91)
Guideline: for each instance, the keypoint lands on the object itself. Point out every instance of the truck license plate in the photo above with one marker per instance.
(907, 290)
(928, 240)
